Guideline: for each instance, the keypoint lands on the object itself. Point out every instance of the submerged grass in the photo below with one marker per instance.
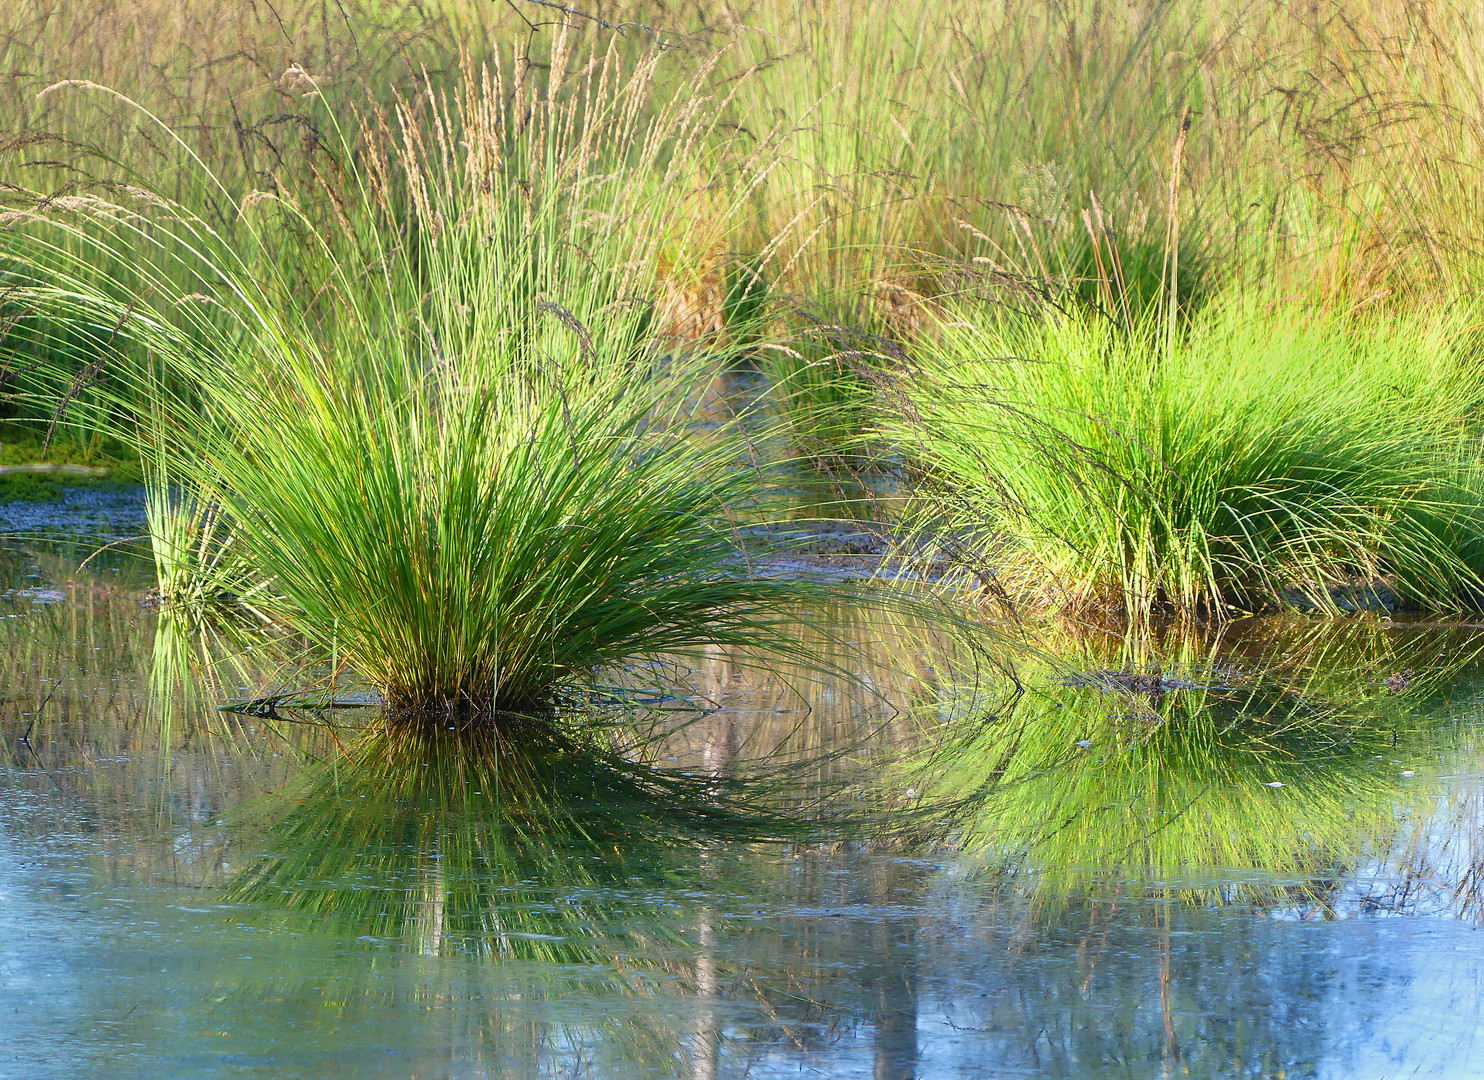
(1263, 457)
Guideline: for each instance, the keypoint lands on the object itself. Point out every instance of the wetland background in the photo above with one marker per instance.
(887, 540)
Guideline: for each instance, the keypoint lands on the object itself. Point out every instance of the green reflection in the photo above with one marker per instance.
(567, 868)
(506, 844)
(196, 664)
(1248, 766)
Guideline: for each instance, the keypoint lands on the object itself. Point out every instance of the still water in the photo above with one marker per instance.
(1250, 855)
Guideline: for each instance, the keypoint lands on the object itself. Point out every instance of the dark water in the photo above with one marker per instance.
(190, 893)
(107, 512)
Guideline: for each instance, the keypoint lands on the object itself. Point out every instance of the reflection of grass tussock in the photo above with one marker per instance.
(1193, 766)
(495, 843)
(201, 663)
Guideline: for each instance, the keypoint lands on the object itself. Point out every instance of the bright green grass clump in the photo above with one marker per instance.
(1261, 457)
(459, 461)
(473, 544)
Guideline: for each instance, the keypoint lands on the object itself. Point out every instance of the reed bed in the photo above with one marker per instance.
(1334, 145)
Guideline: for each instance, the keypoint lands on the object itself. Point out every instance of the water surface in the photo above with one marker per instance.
(1264, 865)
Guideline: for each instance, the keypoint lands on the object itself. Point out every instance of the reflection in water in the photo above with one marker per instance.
(489, 844)
(91, 749)
(826, 725)
(1253, 768)
(261, 904)
(524, 847)
(197, 664)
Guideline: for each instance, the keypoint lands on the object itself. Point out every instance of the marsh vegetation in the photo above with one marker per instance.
(1029, 452)
(1173, 326)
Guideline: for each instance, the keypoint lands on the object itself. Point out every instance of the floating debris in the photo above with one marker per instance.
(268, 705)
(1398, 681)
(51, 468)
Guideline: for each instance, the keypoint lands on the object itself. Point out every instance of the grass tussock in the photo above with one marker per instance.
(1264, 457)
(461, 463)
(426, 299)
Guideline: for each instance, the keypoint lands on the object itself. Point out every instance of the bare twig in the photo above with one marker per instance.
(604, 23)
